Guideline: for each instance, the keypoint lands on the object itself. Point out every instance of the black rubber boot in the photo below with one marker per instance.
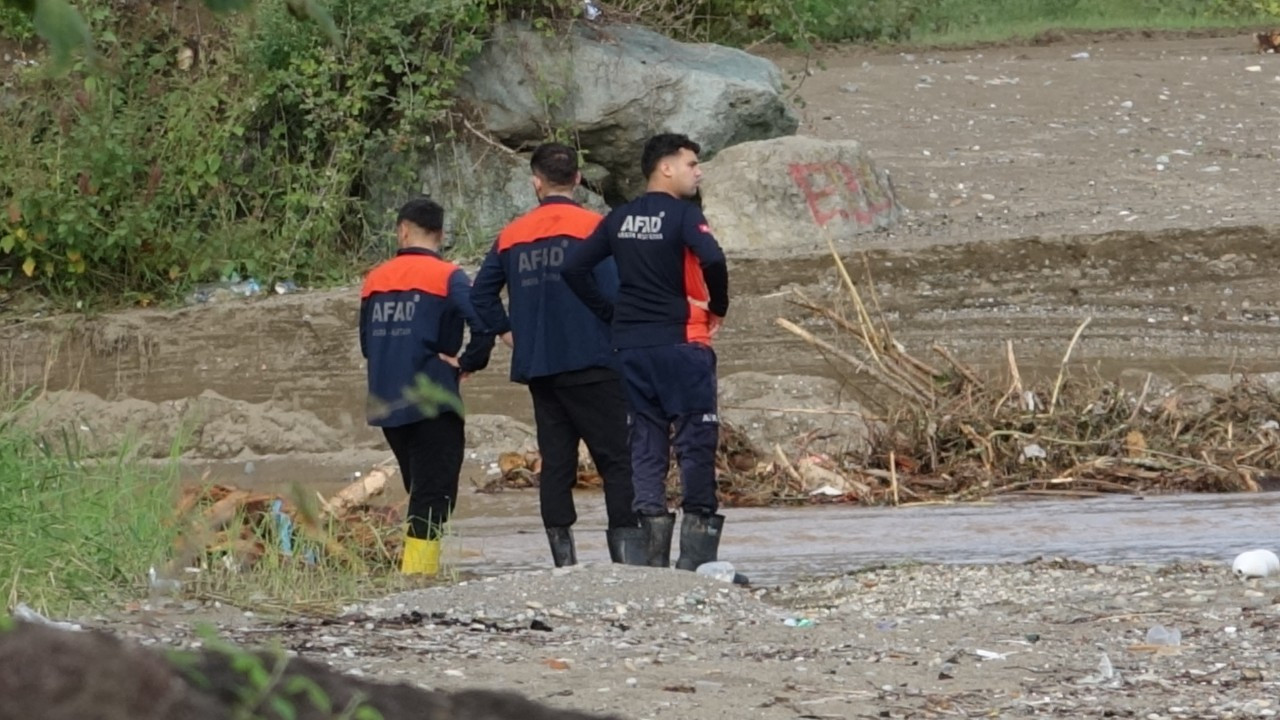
(699, 540)
(700, 543)
(628, 546)
(562, 550)
(658, 530)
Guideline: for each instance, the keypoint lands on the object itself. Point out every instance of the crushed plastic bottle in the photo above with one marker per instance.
(25, 613)
(284, 526)
(719, 569)
(590, 10)
(162, 585)
(1105, 670)
(798, 622)
(1161, 635)
(248, 288)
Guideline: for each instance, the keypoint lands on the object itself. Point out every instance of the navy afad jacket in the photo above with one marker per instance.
(552, 331)
(672, 273)
(412, 309)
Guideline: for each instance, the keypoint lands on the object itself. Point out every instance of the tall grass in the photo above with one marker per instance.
(78, 533)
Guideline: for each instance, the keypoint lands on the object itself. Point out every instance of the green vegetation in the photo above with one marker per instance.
(171, 162)
(77, 533)
(174, 155)
(83, 532)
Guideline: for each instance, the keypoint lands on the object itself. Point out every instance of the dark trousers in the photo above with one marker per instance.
(666, 386)
(593, 412)
(429, 453)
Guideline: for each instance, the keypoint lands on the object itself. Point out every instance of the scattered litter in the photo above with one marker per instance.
(828, 491)
(1255, 564)
(1160, 635)
(1034, 452)
(1254, 68)
(24, 613)
(719, 570)
(163, 585)
(1080, 56)
(798, 622)
(991, 654)
(235, 526)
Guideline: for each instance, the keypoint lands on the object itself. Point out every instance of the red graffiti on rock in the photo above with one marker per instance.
(834, 190)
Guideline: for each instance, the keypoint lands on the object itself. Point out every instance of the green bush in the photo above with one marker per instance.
(133, 177)
(139, 176)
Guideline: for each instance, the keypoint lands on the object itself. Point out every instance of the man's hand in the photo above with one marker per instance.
(507, 340)
(713, 324)
(452, 361)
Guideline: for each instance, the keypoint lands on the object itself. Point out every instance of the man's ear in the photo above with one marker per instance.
(537, 185)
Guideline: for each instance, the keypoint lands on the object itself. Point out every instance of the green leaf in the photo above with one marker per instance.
(283, 708)
(220, 6)
(63, 28)
(6, 244)
(315, 11)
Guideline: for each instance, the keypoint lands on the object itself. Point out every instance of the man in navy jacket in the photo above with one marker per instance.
(412, 311)
(673, 295)
(561, 351)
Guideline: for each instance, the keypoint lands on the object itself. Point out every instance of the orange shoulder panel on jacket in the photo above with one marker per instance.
(548, 221)
(423, 273)
(698, 327)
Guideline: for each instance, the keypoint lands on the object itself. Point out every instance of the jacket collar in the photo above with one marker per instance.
(557, 200)
(417, 251)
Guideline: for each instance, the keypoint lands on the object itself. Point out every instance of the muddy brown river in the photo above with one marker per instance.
(779, 545)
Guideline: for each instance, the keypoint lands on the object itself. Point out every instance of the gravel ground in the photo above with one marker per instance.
(1050, 638)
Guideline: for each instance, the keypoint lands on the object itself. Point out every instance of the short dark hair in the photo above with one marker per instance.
(423, 212)
(664, 145)
(556, 163)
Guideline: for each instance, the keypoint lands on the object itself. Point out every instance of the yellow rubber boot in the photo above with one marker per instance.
(421, 557)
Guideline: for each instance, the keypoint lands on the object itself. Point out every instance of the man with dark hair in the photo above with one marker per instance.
(561, 351)
(673, 295)
(412, 311)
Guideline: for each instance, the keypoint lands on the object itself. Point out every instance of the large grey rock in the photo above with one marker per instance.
(779, 195)
(481, 187)
(614, 86)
